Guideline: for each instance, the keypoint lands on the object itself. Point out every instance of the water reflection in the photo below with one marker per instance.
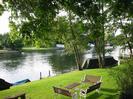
(11, 62)
(61, 62)
(30, 64)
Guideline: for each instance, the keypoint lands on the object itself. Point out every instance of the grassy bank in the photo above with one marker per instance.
(42, 89)
(25, 49)
(8, 51)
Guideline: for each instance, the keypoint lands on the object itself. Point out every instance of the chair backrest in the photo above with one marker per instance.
(92, 78)
(62, 91)
(93, 87)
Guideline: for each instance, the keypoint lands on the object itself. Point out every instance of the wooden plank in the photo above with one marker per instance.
(21, 96)
(73, 85)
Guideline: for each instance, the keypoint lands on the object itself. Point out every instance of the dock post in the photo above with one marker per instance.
(49, 73)
(40, 75)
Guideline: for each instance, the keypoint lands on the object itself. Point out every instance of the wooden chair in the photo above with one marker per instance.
(91, 79)
(65, 92)
(96, 86)
(19, 96)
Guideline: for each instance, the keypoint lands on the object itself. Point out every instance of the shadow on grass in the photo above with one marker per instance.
(104, 93)
(102, 96)
(109, 90)
(94, 96)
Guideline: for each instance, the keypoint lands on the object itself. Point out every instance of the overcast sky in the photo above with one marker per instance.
(4, 23)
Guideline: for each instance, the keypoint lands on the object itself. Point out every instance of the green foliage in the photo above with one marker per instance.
(119, 40)
(122, 14)
(122, 8)
(124, 77)
(13, 40)
(63, 33)
(3, 40)
(14, 45)
(127, 30)
(1, 9)
(125, 39)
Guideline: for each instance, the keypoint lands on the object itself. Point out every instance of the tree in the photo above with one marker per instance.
(2, 39)
(14, 39)
(69, 32)
(123, 16)
(1, 9)
(95, 13)
(124, 79)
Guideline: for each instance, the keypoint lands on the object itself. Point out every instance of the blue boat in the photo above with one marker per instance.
(21, 82)
(6, 85)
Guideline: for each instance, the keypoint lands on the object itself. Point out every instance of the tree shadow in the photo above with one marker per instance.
(94, 96)
(105, 93)
(109, 90)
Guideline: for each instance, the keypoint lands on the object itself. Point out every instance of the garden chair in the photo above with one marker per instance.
(91, 79)
(96, 86)
(65, 92)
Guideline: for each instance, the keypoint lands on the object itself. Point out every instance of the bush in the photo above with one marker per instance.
(124, 79)
(1, 47)
(14, 45)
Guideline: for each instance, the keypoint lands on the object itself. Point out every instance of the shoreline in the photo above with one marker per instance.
(8, 51)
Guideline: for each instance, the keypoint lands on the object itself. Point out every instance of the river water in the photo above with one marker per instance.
(28, 65)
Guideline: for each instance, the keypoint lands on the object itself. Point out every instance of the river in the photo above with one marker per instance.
(28, 65)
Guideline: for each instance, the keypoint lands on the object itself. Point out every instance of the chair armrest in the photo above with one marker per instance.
(82, 91)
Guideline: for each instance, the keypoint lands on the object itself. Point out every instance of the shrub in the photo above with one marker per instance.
(124, 79)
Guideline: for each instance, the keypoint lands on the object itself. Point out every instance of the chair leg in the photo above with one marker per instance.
(75, 96)
(55, 96)
(97, 90)
(85, 97)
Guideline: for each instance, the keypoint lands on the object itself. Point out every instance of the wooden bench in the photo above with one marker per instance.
(18, 96)
(73, 85)
(64, 92)
(91, 88)
(91, 79)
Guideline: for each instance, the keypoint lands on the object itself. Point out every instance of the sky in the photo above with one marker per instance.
(4, 23)
(0, 1)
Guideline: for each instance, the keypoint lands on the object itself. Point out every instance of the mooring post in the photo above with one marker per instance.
(40, 75)
(49, 73)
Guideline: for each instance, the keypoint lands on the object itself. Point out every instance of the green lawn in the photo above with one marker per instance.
(30, 49)
(42, 89)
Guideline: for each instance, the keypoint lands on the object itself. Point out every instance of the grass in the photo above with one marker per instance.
(42, 89)
(30, 49)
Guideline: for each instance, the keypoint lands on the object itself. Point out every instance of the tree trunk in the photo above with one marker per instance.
(98, 47)
(74, 45)
(77, 57)
(129, 46)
